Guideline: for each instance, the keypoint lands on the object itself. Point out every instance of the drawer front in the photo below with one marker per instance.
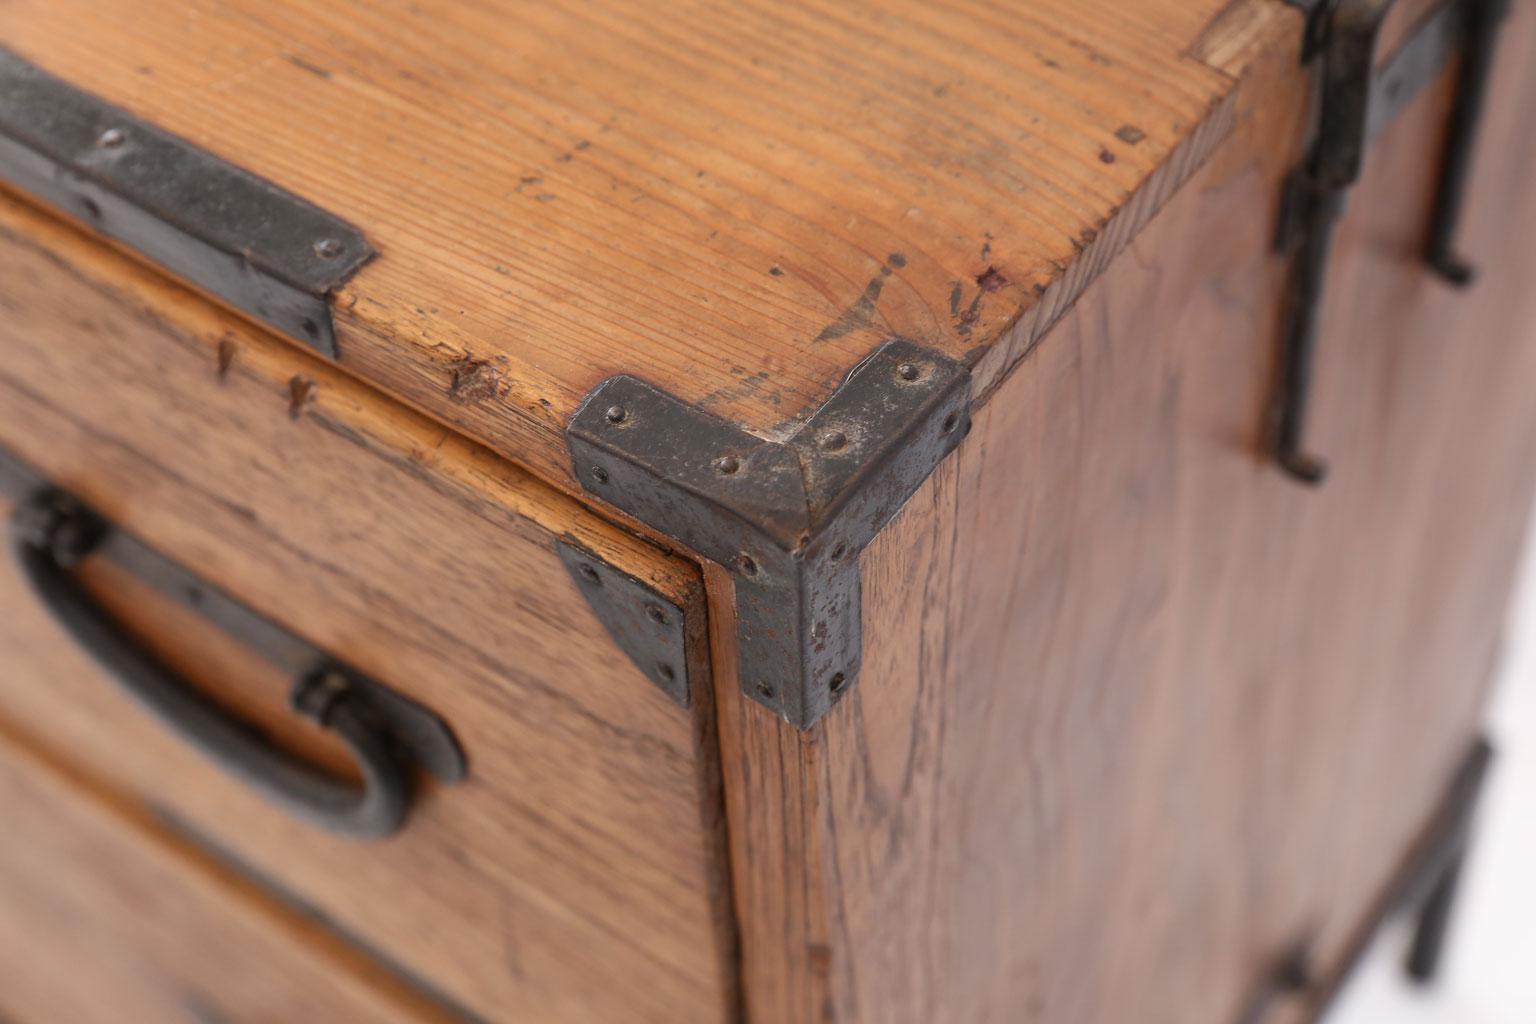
(103, 918)
(575, 873)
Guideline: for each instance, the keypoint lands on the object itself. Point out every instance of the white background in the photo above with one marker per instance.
(1488, 975)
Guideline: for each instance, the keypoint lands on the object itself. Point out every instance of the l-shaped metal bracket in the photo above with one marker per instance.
(788, 518)
(255, 246)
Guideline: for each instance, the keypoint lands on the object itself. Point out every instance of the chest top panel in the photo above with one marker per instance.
(737, 201)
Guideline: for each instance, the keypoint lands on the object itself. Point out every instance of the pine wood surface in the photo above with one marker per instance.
(106, 918)
(736, 201)
(577, 874)
(1137, 713)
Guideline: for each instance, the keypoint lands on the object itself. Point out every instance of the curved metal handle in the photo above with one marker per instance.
(51, 532)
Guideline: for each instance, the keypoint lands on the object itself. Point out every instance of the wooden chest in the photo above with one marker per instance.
(844, 512)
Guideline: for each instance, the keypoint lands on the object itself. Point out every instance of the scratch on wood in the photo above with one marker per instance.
(304, 65)
(477, 380)
(301, 392)
(227, 349)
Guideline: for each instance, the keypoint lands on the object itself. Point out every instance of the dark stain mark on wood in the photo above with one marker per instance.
(955, 292)
(991, 279)
(776, 271)
(301, 392)
(227, 349)
(748, 385)
(1105, 156)
(476, 380)
(1129, 134)
(970, 316)
(1094, 56)
(862, 311)
(304, 65)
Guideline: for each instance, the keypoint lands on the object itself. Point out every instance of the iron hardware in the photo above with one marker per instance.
(51, 532)
(644, 624)
(257, 247)
(787, 517)
(1355, 102)
(1484, 19)
(1425, 887)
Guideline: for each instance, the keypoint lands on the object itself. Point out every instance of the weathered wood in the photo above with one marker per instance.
(107, 918)
(577, 874)
(737, 201)
(1137, 713)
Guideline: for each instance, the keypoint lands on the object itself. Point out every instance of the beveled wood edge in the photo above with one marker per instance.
(485, 482)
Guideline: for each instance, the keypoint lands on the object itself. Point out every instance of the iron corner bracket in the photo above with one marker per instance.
(248, 242)
(643, 622)
(787, 518)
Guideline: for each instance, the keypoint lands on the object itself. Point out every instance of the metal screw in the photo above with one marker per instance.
(599, 474)
(666, 672)
(617, 414)
(727, 464)
(950, 421)
(745, 563)
(588, 573)
(838, 552)
(908, 371)
(327, 248)
(837, 683)
(765, 691)
(655, 614)
(111, 138)
(833, 441)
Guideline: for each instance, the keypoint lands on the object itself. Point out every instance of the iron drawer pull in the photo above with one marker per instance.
(384, 732)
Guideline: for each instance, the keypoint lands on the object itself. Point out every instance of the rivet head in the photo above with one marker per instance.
(838, 683)
(655, 614)
(908, 371)
(616, 414)
(727, 465)
(599, 474)
(765, 691)
(833, 441)
(588, 573)
(111, 138)
(666, 671)
(950, 422)
(327, 248)
(747, 564)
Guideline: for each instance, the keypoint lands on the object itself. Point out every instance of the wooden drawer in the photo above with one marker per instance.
(576, 873)
(103, 918)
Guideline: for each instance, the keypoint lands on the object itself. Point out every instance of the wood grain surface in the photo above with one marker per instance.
(736, 201)
(1138, 713)
(578, 873)
(106, 918)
